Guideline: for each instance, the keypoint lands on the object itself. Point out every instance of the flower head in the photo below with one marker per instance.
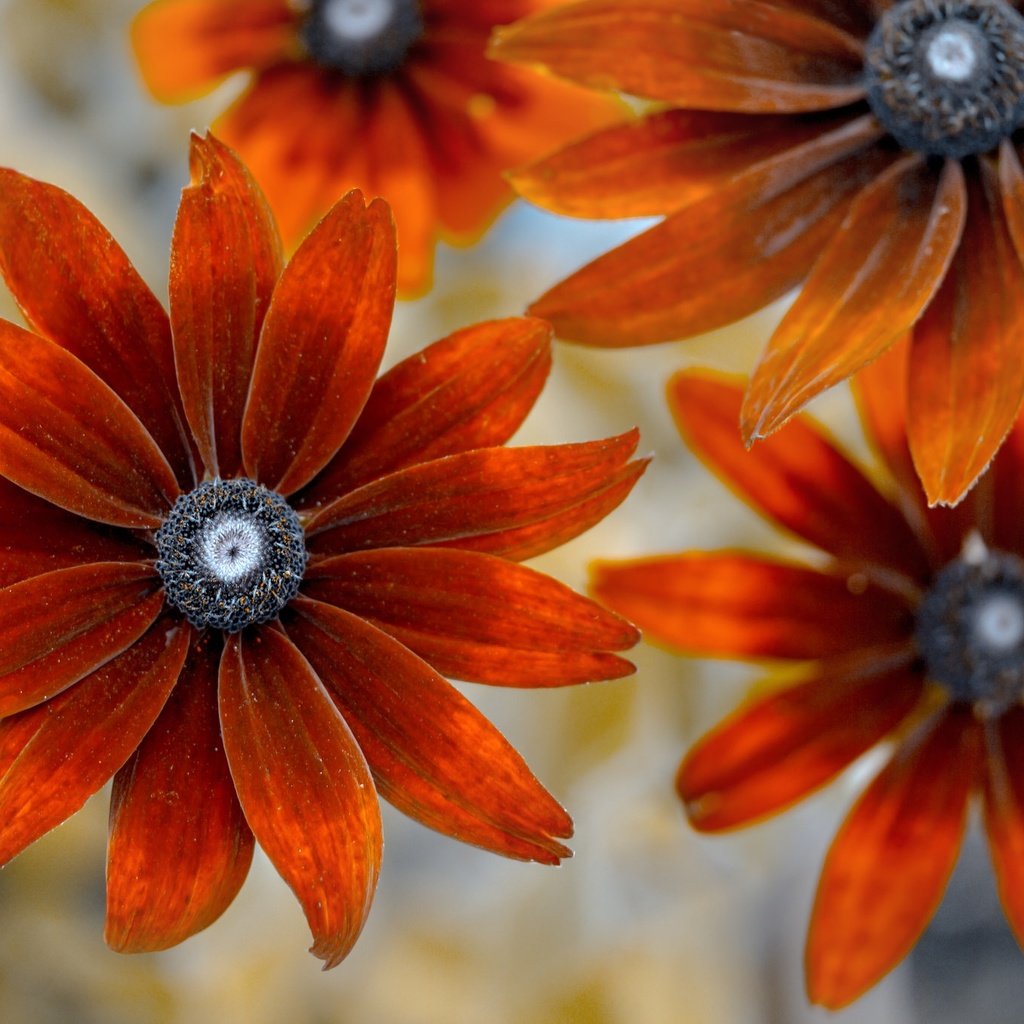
(867, 150)
(235, 567)
(394, 97)
(909, 634)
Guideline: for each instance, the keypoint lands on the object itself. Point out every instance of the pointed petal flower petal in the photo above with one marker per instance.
(76, 287)
(56, 628)
(322, 342)
(65, 436)
(477, 617)
(303, 785)
(55, 756)
(779, 749)
(225, 259)
(867, 289)
(743, 55)
(968, 381)
(472, 389)
(433, 755)
(1011, 190)
(735, 605)
(798, 479)
(179, 846)
(888, 867)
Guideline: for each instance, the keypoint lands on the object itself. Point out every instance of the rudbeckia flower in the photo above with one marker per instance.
(235, 567)
(905, 631)
(864, 148)
(394, 97)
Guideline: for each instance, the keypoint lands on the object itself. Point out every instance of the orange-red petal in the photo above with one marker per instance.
(1011, 191)
(303, 785)
(225, 259)
(179, 846)
(477, 617)
(888, 867)
(55, 756)
(433, 755)
(321, 344)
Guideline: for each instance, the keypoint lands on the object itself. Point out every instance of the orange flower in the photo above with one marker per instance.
(393, 97)
(911, 630)
(865, 148)
(234, 568)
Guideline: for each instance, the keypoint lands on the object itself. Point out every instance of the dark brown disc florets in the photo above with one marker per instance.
(360, 38)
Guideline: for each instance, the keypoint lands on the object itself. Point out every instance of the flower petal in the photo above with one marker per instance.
(744, 55)
(477, 617)
(433, 755)
(967, 381)
(799, 479)
(322, 342)
(225, 259)
(58, 627)
(303, 784)
(55, 756)
(472, 389)
(65, 436)
(179, 846)
(779, 749)
(184, 47)
(462, 496)
(1011, 191)
(886, 871)
(868, 288)
(77, 288)
(734, 605)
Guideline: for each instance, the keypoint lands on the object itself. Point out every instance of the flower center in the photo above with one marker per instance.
(970, 627)
(361, 37)
(231, 554)
(946, 77)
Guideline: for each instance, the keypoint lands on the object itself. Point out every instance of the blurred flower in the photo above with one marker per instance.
(863, 148)
(394, 97)
(234, 567)
(909, 627)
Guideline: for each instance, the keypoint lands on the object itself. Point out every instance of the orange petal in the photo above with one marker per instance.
(76, 287)
(799, 478)
(472, 389)
(477, 617)
(734, 605)
(1011, 190)
(739, 56)
(888, 867)
(303, 784)
(184, 47)
(433, 755)
(322, 342)
(967, 381)
(225, 260)
(179, 846)
(55, 756)
(868, 288)
(58, 627)
(65, 436)
(779, 749)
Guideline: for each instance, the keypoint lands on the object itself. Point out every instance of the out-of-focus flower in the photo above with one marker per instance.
(867, 149)
(910, 628)
(235, 567)
(394, 97)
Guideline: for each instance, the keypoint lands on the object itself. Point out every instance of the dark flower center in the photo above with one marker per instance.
(361, 37)
(946, 77)
(970, 627)
(231, 554)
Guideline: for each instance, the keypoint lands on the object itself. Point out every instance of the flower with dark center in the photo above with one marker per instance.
(234, 567)
(906, 633)
(394, 97)
(867, 152)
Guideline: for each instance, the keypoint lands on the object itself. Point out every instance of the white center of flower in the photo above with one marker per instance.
(999, 623)
(232, 546)
(952, 53)
(357, 20)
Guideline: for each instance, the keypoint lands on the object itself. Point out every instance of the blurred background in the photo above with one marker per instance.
(649, 923)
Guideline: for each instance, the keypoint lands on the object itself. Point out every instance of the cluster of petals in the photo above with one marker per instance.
(769, 170)
(415, 518)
